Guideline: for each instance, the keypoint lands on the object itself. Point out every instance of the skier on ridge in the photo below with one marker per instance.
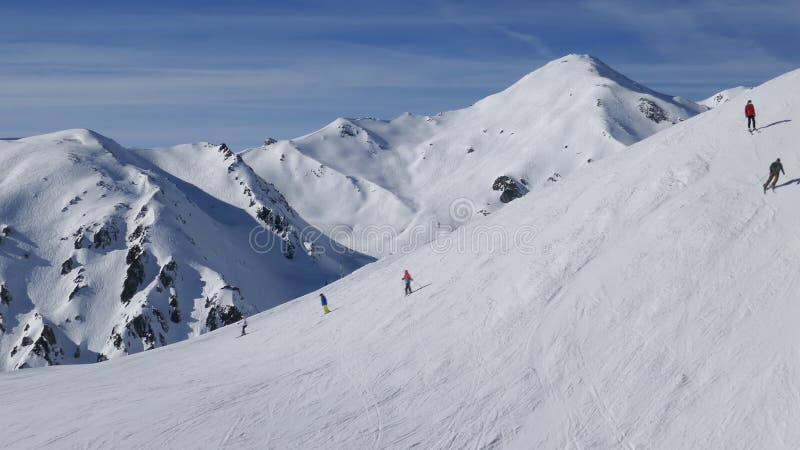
(750, 112)
(324, 302)
(775, 170)
(244, 324)
(407, 278)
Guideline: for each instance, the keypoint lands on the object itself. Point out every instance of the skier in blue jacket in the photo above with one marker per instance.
(324, 302)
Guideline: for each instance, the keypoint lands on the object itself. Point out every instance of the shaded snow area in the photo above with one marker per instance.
(396, 184)
(645, 301)
(103, 254)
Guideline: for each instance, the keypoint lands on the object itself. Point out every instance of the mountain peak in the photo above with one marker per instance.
(576, 62)
(580, 69)
(82, 136)
(586, 81)
(578, 57)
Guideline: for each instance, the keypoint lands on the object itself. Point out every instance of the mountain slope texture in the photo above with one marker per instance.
(103, 254)
(407, 174)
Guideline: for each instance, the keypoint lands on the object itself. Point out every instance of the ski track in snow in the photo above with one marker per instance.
(358, 388)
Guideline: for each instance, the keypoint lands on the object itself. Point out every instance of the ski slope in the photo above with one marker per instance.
(395, 182)
(648, 303)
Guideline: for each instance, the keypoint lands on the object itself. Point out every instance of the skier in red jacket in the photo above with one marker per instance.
(407, 278)
(750, 112)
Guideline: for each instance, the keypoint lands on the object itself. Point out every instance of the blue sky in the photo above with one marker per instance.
(158, 73)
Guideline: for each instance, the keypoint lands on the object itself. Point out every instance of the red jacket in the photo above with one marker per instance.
(749, 110)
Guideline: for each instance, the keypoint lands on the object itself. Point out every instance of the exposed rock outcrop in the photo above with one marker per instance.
(511, 189)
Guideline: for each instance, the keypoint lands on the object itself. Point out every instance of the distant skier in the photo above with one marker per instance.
(750, 112)
(244, 325)
(407, 278)
(324, 302)
(775, 170)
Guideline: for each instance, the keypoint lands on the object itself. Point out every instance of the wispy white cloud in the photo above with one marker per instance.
(95, 76)
(530, 39)
(698, 47)
(498, 20)
(699, 30)
(289, 70)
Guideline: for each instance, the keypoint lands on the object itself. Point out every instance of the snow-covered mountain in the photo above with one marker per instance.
(724, 96)
(103, 253)
(171, 233)
(648, 303)
(399, 182)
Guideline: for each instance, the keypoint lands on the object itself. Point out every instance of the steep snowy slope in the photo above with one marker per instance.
(400, 178)
(725, 96)
(649, 303)
(104, 254)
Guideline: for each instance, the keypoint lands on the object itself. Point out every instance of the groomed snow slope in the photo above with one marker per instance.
(402, 176)
(653, 305)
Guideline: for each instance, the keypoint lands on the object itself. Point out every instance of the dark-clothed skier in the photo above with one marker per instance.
(244, 325)
(775, 170)
(324, 302)
(750, 112)
(407, 278)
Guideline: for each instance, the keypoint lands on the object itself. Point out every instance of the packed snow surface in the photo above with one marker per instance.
(648, 303)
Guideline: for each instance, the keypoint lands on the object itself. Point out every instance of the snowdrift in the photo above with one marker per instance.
(649, 302)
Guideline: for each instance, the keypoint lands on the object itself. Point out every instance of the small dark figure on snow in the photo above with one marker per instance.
(750, 112)
(244, 325)
(775, 170)
(407, 278)
(324, 302)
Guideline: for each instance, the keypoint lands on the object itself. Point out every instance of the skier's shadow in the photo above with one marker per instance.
(795, 181)
(422, 287)
(775, 123)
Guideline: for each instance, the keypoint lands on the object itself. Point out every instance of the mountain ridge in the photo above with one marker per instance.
(526, 133)
(106, 254)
